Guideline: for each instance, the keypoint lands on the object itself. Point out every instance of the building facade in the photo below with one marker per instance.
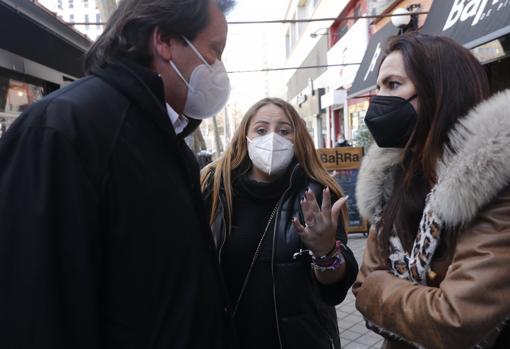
(361, 85)
(481, 26)
(38, 54)
(307, 45)
(335, 49)
(84, 12)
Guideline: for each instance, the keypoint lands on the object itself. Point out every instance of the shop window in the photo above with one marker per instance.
(86, 3)
(3, 126)
(16, 96)
(341, 31)
(87, 27)
(493, 50)
(376, 7)
(71, 3)
(98, 20)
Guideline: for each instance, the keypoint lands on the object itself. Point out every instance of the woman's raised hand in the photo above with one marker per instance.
(319, 232)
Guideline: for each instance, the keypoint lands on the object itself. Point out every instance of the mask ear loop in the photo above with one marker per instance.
(412, 97)
(196, 51)
(177, 71)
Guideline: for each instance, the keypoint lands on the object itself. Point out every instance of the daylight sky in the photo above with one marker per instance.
(254, 46)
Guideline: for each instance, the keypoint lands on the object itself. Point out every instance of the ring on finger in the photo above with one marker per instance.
(309, 225)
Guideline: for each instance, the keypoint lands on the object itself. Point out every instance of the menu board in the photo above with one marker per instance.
(345, 162)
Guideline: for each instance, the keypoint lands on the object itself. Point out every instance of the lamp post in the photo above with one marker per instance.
(405, 19)
(316, 32)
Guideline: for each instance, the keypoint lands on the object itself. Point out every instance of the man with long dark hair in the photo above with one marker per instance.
(104, 242)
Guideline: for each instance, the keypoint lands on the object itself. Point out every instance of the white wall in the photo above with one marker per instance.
(349, 49)
(305, 43)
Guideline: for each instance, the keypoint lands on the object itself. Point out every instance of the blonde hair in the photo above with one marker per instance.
(237, 153)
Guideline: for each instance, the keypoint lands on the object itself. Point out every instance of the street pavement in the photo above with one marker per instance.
(353, 333)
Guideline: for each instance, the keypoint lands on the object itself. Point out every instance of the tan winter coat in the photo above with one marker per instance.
(470, 295)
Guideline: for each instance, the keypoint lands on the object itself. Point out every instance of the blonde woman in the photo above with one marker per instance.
(281, 242)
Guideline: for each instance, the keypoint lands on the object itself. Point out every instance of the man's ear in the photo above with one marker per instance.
(160, 46)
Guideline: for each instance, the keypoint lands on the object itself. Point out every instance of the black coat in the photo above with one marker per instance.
(305, 312)
(104, 241)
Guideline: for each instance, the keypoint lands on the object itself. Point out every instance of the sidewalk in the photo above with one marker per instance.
(353, 333)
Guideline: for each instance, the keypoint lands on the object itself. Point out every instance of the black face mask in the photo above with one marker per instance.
(391, 120)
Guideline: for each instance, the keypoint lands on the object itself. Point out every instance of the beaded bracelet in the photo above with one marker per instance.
(331, 261)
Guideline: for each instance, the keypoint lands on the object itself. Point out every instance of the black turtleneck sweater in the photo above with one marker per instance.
(253, 203)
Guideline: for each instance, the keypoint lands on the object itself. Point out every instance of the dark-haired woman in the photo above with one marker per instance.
(270, 200)
(436, 187)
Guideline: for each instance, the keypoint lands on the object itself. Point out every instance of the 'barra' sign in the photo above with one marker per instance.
(341, 158)
(469, 22)
(345, 162)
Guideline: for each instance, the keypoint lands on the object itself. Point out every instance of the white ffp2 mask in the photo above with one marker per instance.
(270, 153)
(208, 87)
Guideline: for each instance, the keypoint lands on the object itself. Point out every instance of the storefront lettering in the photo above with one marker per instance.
(463, 10)
(374, 60)
(339, 157)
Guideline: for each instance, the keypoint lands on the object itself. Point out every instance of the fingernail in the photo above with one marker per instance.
(346, 197)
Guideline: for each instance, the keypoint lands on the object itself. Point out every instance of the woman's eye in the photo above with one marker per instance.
(393, 84)
(284, 132)
(260, 131)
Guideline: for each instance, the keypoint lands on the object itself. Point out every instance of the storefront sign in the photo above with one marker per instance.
(469, 22)
(345, 162)
(366, 77)
(344, 158)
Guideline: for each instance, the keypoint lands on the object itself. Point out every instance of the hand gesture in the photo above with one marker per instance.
(319, 232)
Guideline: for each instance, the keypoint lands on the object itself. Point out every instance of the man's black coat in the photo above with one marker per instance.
(103, 237)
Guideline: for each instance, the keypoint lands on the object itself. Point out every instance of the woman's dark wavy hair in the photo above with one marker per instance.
(449, 81)
(127, 32)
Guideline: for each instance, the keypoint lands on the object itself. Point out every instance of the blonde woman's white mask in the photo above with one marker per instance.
(271, 153)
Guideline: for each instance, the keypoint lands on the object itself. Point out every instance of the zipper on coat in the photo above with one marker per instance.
(224, 238)
(274, 282)
(224, 222)
(273, 257)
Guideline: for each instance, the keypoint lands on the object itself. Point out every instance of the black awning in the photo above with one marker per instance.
(366, 78)
(34, 33)
(470, 23)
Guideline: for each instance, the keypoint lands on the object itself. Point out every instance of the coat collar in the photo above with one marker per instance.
(470, 175)
(145, 88)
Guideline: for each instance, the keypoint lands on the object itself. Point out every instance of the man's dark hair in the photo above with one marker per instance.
(127, 32)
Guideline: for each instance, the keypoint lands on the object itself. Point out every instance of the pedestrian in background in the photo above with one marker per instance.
(341, 141)
(436, 189)
(269, 200)
(104, 240)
